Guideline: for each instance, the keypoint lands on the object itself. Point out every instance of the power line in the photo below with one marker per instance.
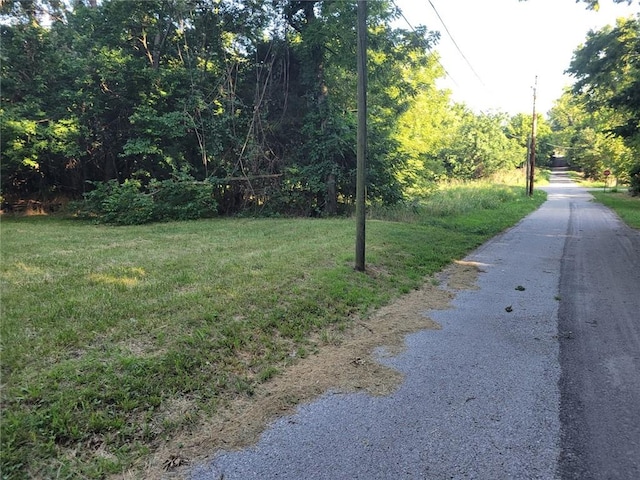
(455, 43)
(428, 47)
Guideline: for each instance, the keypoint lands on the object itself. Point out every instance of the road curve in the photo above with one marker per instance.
(534, 375)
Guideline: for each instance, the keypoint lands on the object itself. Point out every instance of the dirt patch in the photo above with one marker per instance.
(346, 365)
(462, 275)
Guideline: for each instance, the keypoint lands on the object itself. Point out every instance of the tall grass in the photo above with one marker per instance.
(456, 197)
(104, 328)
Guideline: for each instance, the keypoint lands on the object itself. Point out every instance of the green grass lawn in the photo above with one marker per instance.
(104, 327)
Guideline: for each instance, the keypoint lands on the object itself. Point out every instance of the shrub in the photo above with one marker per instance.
(182, 198)
(129, 203)
(115, 203)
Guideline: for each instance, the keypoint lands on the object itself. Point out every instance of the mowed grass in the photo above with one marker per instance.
(104, 329)
(626, 206)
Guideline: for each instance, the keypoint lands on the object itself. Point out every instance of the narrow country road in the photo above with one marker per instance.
(599, 325)
(534, 375)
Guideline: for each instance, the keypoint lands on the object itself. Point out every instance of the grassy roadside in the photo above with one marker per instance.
(105, 328)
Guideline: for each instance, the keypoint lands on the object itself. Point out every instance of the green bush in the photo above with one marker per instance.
(116, 203)
(182, 198)
(129, 203)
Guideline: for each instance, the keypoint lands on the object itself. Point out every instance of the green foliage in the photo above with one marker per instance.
(323, 46)
(422, 131)
(481, 147)
(607, 71)
(128, 203)
(118, 204)
(584, 138)
(182, 198)
(595, 4)
(520, 129)
(597, 66)
(595, 124)
(258, 95)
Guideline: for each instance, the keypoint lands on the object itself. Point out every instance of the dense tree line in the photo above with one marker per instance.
(255, 100)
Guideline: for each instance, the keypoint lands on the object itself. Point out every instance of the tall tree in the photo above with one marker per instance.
(258, 97)
(480, 145)
(423, 130)
(607, 72)
(323, 47)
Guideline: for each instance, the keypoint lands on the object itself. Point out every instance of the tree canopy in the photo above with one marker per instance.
(595, 4)
(255, 98)
(597, 121)
(607, 72)
(256, 101)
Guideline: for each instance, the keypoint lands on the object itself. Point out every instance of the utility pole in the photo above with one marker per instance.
(532, 153)
(361, 177)
(527, 165)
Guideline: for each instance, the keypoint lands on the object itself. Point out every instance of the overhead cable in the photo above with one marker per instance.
(455, 43)
(428, 47)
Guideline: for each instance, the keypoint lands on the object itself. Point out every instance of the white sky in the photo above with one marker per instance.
(508, 43)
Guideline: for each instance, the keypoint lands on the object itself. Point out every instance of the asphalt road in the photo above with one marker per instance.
(548, 388)
(599, 323)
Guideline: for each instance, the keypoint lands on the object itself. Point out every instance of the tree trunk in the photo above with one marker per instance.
(157, 43)
(331, 205)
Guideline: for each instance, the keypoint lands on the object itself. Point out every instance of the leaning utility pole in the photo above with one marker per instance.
(532, 152)
(361, 177)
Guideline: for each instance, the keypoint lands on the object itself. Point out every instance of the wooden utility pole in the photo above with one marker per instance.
(361, 177)
(527, 165)
(532, 153)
